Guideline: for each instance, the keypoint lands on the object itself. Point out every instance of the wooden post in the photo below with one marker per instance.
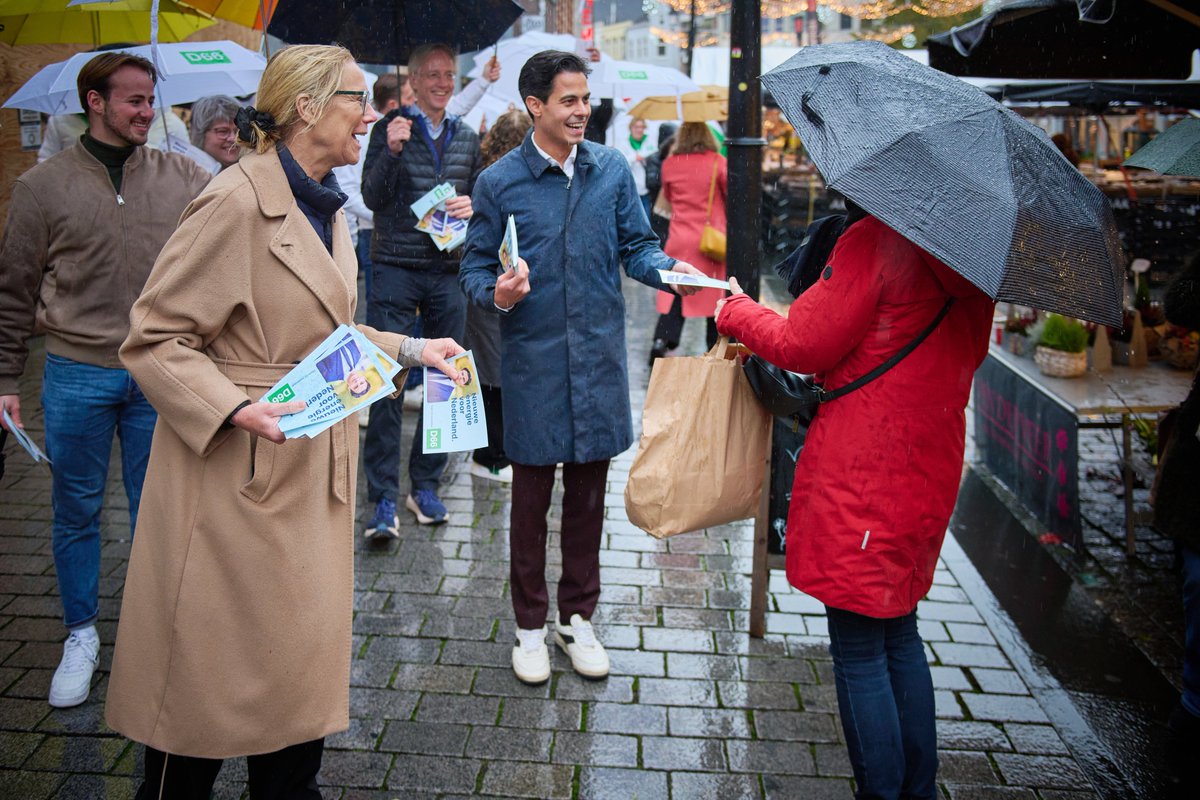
(760, 569)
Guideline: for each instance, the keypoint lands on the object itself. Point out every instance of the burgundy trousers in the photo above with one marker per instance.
(582, 522)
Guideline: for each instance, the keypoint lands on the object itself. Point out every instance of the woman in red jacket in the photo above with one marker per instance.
(693, 172)
(877, 479)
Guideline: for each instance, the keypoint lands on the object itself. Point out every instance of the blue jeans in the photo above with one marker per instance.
(1191, 629)
(885, 699)
(397, 294)
(84, 404)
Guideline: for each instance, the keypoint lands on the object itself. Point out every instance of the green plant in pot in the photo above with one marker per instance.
(1062, 347)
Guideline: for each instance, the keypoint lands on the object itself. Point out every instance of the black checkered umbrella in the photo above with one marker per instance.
(957, 173)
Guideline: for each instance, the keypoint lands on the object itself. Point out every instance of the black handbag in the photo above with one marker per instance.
(789, 394)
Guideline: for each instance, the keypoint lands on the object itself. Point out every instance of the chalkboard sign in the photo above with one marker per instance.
(786, 441)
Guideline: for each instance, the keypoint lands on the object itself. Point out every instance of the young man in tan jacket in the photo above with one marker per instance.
(84, 228)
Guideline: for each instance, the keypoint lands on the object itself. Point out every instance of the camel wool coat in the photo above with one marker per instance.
(234, 636)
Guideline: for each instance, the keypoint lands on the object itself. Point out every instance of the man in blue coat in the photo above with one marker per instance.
(566, 387)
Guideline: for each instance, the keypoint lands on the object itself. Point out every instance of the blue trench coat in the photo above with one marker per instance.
(562, 348)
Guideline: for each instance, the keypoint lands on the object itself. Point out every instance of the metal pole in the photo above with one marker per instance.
(745, 143)
(691, 40)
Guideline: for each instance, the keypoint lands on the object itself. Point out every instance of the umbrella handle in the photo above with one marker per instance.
(809, 111)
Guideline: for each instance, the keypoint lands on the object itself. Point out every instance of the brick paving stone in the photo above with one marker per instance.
(596, 749)
(425, 738)
(387, 704)
(970, 633)
(502, 683)
(932, 630)
(636, 662)
(677, 640)
(952, 678)
(999, 681)
(545, 714)
(971, 736)
(1036, 739)
(433, 774)
(355, 768)
(946, 705)
(604, 783)
(948, 612)
(509, 744)
(670, 752)
(790, 787)
(98, 787)
(784, 758)
(696, 665)
(832, 761)
(548, 781)
(969, 655)
(29, 785)
(634, 719)
(971, 792)
(709, 722)
(613, 689)
(818, 698)
(1003, 708)
(962, 767)
(686, 785)
(16, 747)
(1051, 772)
(434, 678)
(758, 695)
(455, 708)
(775, 668)
(796, 726)
(77, 754)
(672, 692)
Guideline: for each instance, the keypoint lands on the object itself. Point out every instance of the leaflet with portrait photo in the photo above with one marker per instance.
(683, 279)
(23, 439)
(341, 376)
(446, 231)
(453, 413)
(508, 247)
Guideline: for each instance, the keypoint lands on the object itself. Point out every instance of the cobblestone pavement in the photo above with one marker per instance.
(694, 707)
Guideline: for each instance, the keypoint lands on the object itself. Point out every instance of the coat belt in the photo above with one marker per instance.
(264, 376)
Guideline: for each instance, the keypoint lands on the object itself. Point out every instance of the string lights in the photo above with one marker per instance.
(860, 9)
(887, 35)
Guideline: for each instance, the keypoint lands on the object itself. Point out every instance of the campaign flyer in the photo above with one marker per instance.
(446, 231)
(508, 247)
(453, 413)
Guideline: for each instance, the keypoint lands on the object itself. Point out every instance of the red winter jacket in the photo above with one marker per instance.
(879, 473)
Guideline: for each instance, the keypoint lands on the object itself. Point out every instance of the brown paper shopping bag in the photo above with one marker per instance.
(703, 449)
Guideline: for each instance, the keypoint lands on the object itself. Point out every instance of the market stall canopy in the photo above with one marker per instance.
(188, 71)
(629, 81)
(1075, 39)
(387, 31)
(1175, 151)
(710, 103)
(1098, 95)
(956, 173)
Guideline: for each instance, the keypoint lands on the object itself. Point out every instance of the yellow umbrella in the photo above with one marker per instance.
(243, 12)
(54, 22)
(710, 103)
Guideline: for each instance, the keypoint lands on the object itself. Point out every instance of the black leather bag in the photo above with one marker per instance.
(795, 396)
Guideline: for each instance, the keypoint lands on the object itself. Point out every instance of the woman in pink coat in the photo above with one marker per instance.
(693, 169)
(878, 477)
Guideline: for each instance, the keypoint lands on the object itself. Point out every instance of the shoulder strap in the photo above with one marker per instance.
(891, 362)
(712, 189)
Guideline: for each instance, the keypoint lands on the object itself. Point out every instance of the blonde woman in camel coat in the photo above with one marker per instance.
(235, 628)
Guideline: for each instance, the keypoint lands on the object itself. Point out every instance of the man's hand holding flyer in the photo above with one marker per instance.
(446, 231)
(509, 252)
(344, 374)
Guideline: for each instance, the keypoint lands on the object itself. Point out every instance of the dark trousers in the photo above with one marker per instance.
(492, 456)
(670, 326)
(397, 293)
(582, 522)
(287, 774)
(362, 249)
(885, 700)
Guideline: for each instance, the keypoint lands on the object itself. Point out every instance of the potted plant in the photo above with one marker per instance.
(1016, 331)
(1062, 346)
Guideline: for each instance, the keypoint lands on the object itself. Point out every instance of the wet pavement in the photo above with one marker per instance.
(694, 707)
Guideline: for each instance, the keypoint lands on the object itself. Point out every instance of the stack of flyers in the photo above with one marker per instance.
(508, 247)
(453, 414)
(446, 231)
(344, 374)
(29, 445)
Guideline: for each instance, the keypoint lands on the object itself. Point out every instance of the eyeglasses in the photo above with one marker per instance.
(439, 76)
(361, 97)
(223, 132)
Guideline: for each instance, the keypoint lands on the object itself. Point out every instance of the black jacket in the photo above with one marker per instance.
(392, 183)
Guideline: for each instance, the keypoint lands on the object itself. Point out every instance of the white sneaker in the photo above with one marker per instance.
(73, 679)
(578, 641)
(530, 657)
(491, 473)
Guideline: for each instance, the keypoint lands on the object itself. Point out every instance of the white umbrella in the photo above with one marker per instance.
(513, 53)
(628, 81)
(188, 71)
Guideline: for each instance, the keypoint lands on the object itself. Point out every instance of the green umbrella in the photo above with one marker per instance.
(1175, 151)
